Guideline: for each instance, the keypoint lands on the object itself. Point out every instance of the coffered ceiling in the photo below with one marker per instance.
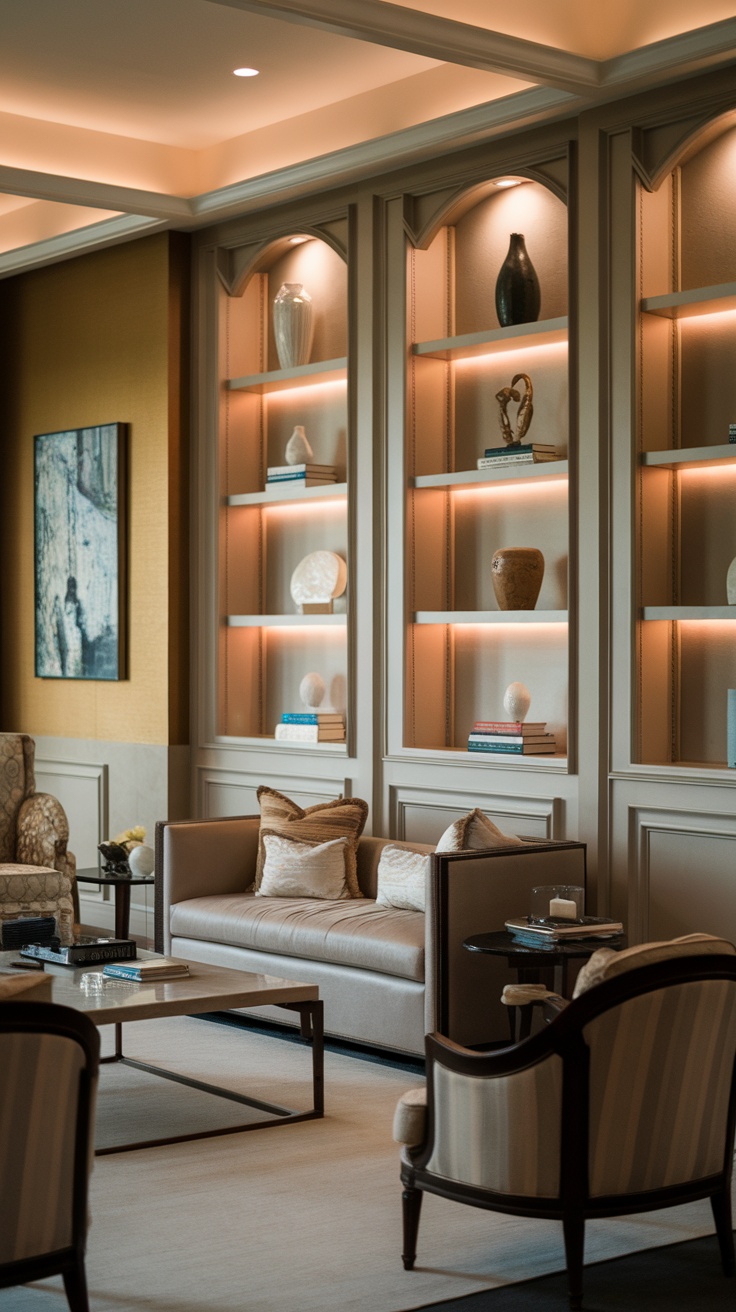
(121, 116)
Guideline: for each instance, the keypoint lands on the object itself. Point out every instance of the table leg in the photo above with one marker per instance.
(122, 910)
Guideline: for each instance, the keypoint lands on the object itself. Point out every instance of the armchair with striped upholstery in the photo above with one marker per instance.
(624, 1102)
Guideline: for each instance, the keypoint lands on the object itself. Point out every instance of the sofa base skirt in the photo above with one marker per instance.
(360, 1006)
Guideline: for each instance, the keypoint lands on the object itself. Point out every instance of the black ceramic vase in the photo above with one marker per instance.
(517, 286)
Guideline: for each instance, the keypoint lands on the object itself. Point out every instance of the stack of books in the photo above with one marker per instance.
(525, 453)
(540, 933)
(297, 476)
(151, 968)
(311, 727)
(512, 736)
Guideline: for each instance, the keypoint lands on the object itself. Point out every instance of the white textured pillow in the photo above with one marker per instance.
(296, 869)
(473, 832)
(402, 878)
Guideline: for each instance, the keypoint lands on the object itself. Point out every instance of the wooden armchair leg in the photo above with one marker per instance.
(75, 1286)
(573, 1226)
(721, 1208)
(411, 1200)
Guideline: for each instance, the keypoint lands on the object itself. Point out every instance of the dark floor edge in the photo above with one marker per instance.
(361, 1052)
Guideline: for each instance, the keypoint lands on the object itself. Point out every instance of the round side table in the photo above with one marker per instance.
(122, 885)
(543, 964)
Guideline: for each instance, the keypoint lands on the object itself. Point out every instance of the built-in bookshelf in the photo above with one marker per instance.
(686, 480)
(266, 644)
(461, 649)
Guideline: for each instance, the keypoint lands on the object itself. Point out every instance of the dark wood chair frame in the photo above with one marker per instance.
(573, 1205)
(49, 1018)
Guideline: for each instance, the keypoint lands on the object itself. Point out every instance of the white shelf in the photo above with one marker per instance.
(687, 305)
(280, 380)
(491, 616)
(493, 340)
(688, 613)
(282, 497)
(552, 471)
(692, 456)
(284, 621)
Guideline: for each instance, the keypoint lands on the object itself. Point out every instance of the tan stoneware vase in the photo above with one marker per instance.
(517, 574)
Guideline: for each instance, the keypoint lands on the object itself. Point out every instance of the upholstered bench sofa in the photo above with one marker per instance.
(375, 962)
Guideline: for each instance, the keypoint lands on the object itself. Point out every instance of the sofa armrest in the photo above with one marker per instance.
(197, 858)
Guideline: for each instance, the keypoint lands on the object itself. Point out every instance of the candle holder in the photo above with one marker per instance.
(557, 902)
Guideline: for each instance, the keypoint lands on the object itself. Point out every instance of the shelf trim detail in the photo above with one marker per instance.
(675, 613)
(491, 617)
(303, 375)
(547, 332)
(266, 498)
(692, 455)
(285, 621)
(689, 304)
(551, 471)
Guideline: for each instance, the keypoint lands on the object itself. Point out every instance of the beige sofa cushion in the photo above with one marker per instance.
(344, 817)
(606, 963)
(402, 878)
(348, 933)
(295, 869)
(474, 832)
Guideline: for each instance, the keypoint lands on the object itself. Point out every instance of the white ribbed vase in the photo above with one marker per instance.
(293, 325)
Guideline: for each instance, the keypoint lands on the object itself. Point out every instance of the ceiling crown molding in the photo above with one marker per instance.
(690, 52)
(94, 195)
(444, 39)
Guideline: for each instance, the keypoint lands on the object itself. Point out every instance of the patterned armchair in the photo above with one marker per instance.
(37, 872)
(624, 1102)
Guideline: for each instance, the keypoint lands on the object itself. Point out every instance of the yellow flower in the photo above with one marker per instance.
(131, 837)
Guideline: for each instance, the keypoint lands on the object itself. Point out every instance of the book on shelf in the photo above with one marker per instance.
(555, 929)
(86, 950)
(477, 736)
(322, 471)
(524, 727)
(309, 733)
(139, 971)
(282, 485)
(313, 717)
(493, 748)
(532, 458)
(521, 448)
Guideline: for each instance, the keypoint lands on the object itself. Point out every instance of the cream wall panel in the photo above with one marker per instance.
(422, 815)
(223, 791)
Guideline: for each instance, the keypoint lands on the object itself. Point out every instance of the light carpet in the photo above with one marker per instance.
(298, 1218)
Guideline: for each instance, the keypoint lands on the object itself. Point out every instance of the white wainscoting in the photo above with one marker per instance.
(223, 792)
(683, 873)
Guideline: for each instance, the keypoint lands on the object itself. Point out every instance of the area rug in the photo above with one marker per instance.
(679, 1278)
(295, 1218)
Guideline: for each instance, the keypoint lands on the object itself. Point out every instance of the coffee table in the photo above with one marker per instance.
(205, 989)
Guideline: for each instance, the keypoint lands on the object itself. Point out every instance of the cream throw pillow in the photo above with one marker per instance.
(474, 832)
(402, 878)
(343, 818)
(296, 869)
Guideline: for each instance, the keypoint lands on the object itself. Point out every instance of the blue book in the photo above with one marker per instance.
(311, 717)
(492, 748)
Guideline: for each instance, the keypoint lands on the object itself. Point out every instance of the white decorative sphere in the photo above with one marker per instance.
(312, 689)
(517, 700)
(140, 860)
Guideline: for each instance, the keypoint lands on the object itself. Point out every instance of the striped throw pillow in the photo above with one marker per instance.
(344, 817)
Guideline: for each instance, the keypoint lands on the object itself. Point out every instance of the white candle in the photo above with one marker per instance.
(563, 908)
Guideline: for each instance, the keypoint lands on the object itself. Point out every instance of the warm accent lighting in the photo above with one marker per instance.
(298, 241)
(246, 72)
(504, 183)
(509, 349)
(508, 487)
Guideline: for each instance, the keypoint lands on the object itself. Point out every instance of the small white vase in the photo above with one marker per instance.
(517, 700)
(298, 451)
(293, 325)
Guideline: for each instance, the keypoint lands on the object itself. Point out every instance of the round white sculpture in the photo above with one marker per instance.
(140, 860)
(312, 689)
(318, 578)
(298, 451)
(517, 700)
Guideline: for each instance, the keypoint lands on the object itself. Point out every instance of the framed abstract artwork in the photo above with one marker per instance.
(80, 553)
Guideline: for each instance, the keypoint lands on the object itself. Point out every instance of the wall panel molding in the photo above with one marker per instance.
(682, 872)
(422, 814)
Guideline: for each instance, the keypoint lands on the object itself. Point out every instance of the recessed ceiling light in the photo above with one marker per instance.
(507, 182)
(246, 72)
(297, 241)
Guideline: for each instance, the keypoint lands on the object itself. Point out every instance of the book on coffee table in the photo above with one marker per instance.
(84, 951)
(140, 971)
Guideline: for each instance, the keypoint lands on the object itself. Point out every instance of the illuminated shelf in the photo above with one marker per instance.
(268, 741)
(490, 617)
(552, 471)
(282, 497)
(688, 613)
(284, 621)
(693, 457)
(303, 375)
(548, 332)
(687, 305)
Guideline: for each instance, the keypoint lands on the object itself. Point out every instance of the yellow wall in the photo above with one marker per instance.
(95, 340)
